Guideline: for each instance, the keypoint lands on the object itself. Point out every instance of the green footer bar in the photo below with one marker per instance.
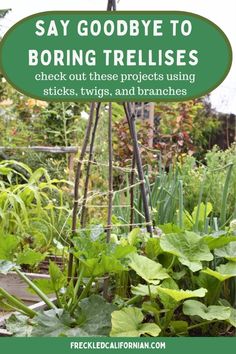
(117, 345)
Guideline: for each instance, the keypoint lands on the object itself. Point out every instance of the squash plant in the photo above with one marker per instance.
(172, 285)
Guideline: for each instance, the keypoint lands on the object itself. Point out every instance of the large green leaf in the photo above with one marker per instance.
(228, 268)
(92, 318)
(179, 295)
(153, 248)
(95, 314)
(221, 277)
(8, 246)
(168, 301)
(121, 251)
(58, 279)
(196, 308)
(128, 323)
(52, 323)
(19, 325)
(188, 247)
(98, 267)
(147, 269)
(30, 257)
(228, 252)
(232, 318)
(219, 241)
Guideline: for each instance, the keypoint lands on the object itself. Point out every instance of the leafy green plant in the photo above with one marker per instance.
(128, 322)
(175, 284)
(32, 213)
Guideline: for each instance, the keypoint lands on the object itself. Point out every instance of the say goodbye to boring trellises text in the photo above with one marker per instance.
(115, 57)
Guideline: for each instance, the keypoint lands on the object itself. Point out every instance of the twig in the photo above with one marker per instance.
(138, 160)
(132, 176)
(83, 209)
(110, 174)
(76, 186)
(110, 195)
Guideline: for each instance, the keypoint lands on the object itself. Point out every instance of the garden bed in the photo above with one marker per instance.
(17, 287)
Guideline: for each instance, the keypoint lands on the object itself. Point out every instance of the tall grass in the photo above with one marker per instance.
(32, 208)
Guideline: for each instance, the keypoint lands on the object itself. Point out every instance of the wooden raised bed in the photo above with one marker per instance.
(15, 286)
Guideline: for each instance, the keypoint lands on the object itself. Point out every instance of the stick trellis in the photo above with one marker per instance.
(136, 166)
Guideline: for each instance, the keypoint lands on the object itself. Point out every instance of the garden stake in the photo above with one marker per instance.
(110, 173)
(83, 209)
(76, 186)
(110, 193)
(133, 133)
(111, 5)
(131, 121)
(132, 176)
(90, 159)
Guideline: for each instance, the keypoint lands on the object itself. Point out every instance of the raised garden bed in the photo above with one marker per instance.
(17, 287)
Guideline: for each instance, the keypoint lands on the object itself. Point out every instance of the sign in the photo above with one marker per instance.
(115, 56)
(101, 345)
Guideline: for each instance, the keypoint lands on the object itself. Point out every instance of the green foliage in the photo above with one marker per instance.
(128, 323)
(155, 292)
(188, 247)
(30, 257)
(8, 246)
(217, 274)
(185, 128)
(228, 252)
(32, 213)
(211, 178)
(179, 295)
(147, 269)
(92, 318)
(210, 313)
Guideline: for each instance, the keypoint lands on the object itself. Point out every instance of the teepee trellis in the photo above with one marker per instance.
(89, 140)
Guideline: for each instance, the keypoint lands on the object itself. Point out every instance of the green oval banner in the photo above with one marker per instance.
(115, 56)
